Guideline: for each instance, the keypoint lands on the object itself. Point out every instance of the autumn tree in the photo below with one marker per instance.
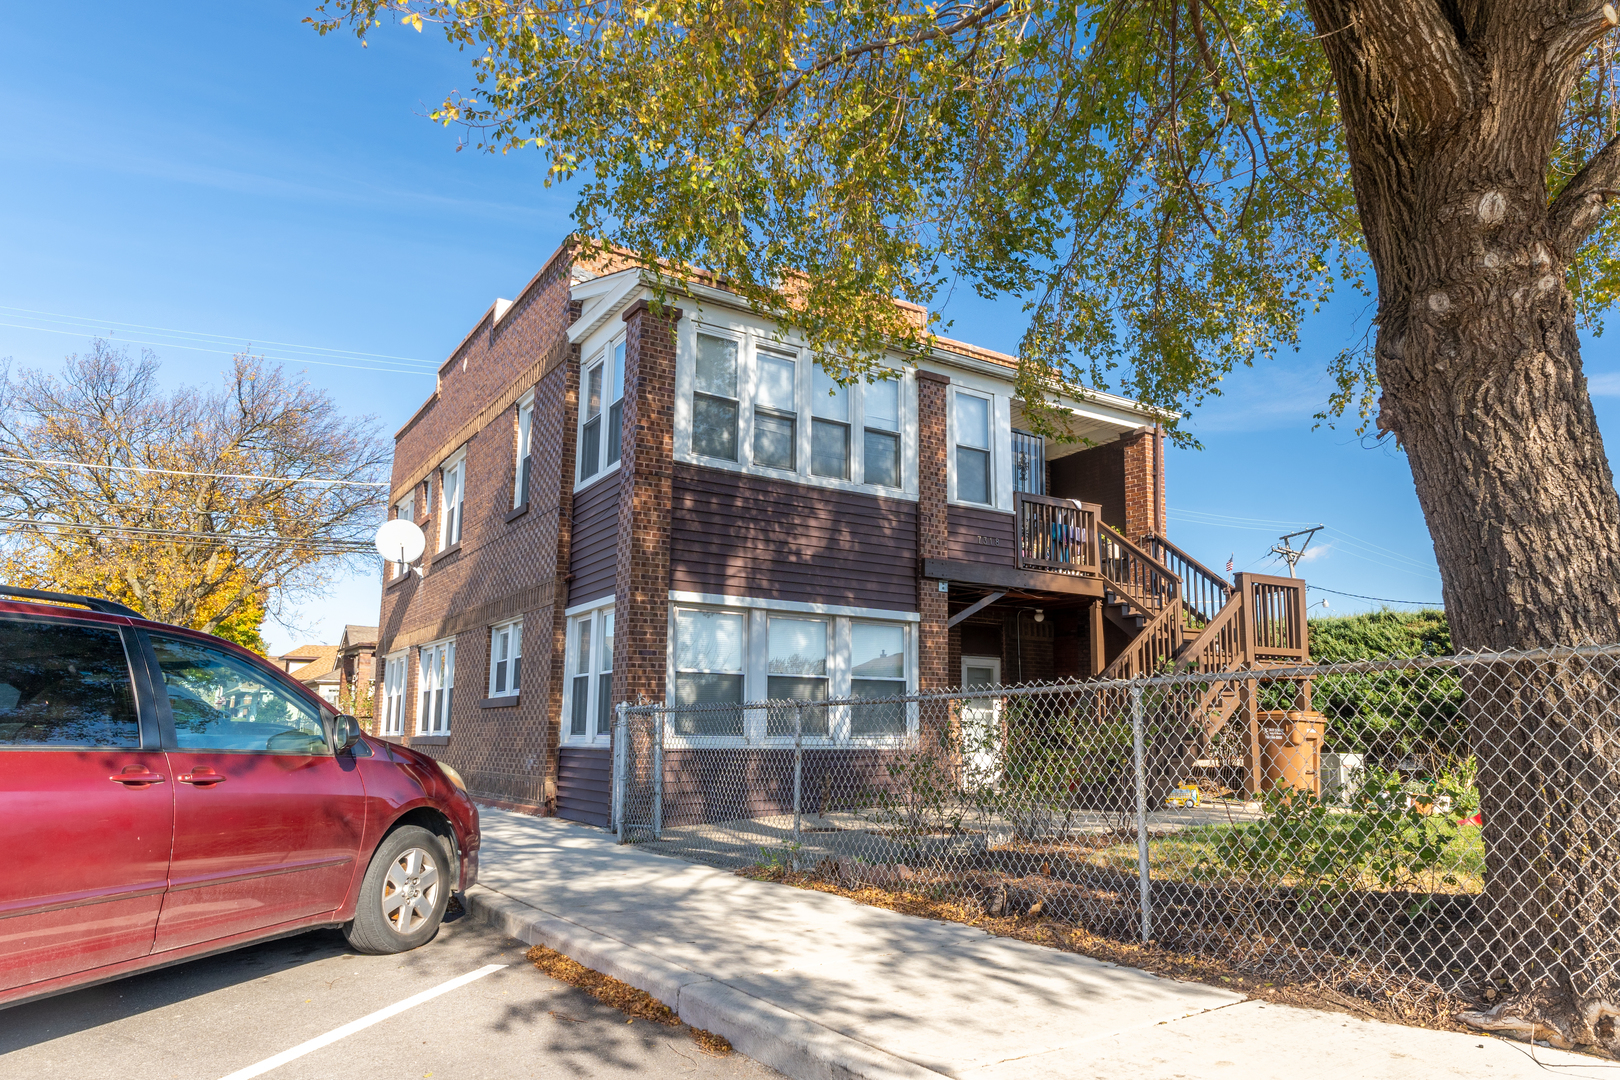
(201, 508)
(1171, 186)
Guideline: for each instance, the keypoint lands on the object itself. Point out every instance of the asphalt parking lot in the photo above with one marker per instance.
(240, 1013)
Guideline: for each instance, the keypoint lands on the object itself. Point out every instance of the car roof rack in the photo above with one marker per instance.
(105, 607)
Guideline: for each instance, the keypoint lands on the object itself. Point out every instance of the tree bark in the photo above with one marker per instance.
(1479, 364)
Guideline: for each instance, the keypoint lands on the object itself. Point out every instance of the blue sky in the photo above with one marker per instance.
(218, 169)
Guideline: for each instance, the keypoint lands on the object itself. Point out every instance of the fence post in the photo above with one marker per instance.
(798, 776)
(658, 775)
(621, 732)
(1144, 882)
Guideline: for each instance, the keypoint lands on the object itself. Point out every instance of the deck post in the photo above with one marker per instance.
(1144, 883)
(1099, 655)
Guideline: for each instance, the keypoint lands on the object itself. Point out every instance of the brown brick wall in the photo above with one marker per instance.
(1142, 452)
(646, 462)
(933, 637)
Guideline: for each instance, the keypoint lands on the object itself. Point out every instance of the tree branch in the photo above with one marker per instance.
(1578, 209)
(1581, 34)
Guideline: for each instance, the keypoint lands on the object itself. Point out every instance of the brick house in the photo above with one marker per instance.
(623, 503)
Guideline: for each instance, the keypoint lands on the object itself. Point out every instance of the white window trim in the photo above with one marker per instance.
(595, 610)
(1000, 409)
(604, 357)
(756, 651)
(749, 341)
(408, 503)
(422, 718)
(514, 652)
(457, 461)
(395, 703)
(525, 409)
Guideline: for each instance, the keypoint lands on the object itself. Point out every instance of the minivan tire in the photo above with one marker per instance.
(410, 861)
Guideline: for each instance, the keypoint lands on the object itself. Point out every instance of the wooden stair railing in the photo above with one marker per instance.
(1203, 592)
(1152, 651)
(1135, 575)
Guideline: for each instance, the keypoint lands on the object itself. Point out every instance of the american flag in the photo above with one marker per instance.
(1229, 560)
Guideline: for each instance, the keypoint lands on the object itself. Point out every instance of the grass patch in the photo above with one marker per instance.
(636, 1004)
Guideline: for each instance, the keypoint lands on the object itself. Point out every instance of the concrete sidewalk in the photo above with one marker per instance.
(815, 985)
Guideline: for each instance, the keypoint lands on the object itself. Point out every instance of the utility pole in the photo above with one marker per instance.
(1287, 551)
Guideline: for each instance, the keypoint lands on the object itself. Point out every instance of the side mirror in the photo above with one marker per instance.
(345, 733)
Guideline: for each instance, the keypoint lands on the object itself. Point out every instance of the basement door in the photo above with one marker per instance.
(981, 722)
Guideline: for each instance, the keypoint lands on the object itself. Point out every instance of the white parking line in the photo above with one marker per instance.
(359, 1025)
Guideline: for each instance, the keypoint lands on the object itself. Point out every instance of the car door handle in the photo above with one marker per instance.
(202, 778)
(136, 776)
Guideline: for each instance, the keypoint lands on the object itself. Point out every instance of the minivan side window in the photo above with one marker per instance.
(65, 684)
(221, 702)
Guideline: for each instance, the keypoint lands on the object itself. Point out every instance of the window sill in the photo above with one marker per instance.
(598, 476)
(400, 580)
(505, 702)
(517, 511)
(453, 549)
(428, 740)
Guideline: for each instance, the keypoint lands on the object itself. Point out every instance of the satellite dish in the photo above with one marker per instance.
(400, 541)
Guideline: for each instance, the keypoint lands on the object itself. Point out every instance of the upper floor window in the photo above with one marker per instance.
(393, 714)
(829, 427)
(452, 495)
(714, 398)
(405, 510)
(776, 417)
(974, 479)
(437, 679)
(882, 437)
(506, 659)
(601, 412)
(525, 431)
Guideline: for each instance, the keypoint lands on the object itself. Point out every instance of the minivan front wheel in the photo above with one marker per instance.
(403, 895)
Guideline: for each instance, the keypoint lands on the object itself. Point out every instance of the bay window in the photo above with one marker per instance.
(775, 410)
(506, 659)
(829, 427)
(974, 480)
(714, 398)
(882, 435)
(437, 679)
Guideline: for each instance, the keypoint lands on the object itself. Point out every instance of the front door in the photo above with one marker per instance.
(87, 802)
(267, 819)
(981, 722)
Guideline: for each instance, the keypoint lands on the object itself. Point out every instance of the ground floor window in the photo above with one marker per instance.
(506, 659)
(588, 693)
(393, 712)
(731, 652)
(437, 678)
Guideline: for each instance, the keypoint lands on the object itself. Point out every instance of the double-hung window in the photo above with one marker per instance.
(881, 399)
(829, 427)
(796, 670)
(590, 676)
(714, 398)
(877, 657)
(437, 679)
(452, 494)
(709, 671)
(404, 510)
(506, 659)
(601, 412)
(520, 473)
(974, 476)
(776, 417)
(393, 716)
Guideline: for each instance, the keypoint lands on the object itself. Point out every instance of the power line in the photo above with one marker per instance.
(344, 354)
(184, 472)
(1379, 599)
(331, 547)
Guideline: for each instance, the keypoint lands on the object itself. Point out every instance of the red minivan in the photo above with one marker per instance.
(169, 795)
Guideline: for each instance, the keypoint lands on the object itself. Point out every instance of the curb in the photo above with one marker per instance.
(790, 1044)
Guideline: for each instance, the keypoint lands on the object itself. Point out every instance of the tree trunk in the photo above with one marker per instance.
(1482, 383)
(1451, 114)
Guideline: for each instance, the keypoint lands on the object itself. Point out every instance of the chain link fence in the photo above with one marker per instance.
(1416, 827)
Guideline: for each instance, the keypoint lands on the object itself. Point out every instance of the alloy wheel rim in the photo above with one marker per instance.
(410, 891)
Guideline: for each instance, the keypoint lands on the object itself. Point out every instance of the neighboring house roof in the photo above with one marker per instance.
(301, 655)
(356, 636)
(333, 676)
(324, 662)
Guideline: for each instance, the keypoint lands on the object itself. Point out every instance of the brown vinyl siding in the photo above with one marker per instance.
(594, 558)
(981, 536)
(584, 779)
(709, 786)
(738, 535)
